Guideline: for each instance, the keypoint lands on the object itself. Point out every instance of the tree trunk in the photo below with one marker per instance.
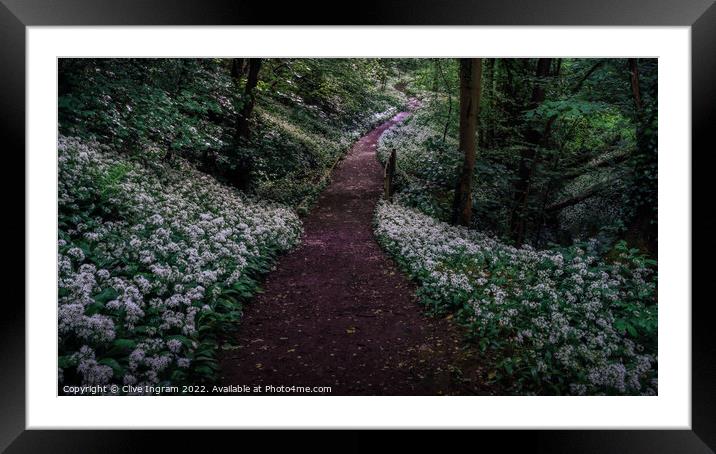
(242, 124)
(488, 127)
(242, 173)
(435, 75)
(636, 91)
(533, 138)
(470, 75)
(449, 93)
(237, 67)
(642, 230)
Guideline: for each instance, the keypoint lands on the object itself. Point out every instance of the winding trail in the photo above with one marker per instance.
(337, 311)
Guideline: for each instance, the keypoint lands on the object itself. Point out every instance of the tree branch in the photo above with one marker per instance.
(613, 160)
(586, 76)
(574, 200)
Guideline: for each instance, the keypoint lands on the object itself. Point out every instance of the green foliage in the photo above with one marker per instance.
(156, 262)
(307, 113)
(143, 105)
(592, 173)
(142, 128)
(593, 148)
(557, 321)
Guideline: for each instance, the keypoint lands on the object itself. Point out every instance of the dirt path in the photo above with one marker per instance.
(337, 312)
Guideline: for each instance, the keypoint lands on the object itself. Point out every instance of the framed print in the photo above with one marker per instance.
(416, 216)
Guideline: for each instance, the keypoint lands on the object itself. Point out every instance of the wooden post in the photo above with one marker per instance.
(388, 183)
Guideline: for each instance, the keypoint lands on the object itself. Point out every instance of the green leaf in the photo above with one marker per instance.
(620, 325)
(124, 344)
(116, 367)
(65, 362)
(93, 308)
(205, 370)
(183, 339)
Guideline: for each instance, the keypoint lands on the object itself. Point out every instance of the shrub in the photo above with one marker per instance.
(562, 321)
(154, 261)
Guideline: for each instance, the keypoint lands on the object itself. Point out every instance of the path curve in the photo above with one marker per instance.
(337, 311)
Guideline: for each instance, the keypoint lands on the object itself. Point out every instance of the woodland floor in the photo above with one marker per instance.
(338, 312)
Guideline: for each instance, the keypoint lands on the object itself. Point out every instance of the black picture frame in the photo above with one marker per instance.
(700, 15)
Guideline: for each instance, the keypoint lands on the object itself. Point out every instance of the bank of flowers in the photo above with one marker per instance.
(558, 321)
(154, 259)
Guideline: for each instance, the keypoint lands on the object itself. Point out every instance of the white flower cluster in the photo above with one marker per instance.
(410, 137)
(426, 164)
(145, 250)
(380, 117)
(554, 312)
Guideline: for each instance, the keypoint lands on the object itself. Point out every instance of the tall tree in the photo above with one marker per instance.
(242, 125)
(635, 89)
(487, 127)
(470, 75)
(237, 67)
(533, 139)
(449, 93)
(643, 229)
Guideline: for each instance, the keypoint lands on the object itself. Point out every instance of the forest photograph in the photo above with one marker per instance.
(357, 226)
